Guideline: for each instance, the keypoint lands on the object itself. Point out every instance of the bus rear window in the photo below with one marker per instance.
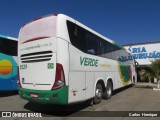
(44, 27)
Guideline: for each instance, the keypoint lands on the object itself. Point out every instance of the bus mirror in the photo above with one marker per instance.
(136, 63)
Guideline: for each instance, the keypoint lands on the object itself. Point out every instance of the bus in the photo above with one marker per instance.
(62, 61)
(8, 63)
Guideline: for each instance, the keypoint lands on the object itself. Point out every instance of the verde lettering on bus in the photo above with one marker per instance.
(84, 61)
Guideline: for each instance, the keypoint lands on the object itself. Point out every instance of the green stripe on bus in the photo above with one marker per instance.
(59, 96)
(119, 46)
(124, 72)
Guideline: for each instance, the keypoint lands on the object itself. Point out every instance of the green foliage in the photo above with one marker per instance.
(154, 71)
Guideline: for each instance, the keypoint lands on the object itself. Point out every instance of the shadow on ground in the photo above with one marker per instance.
(145, 87)
(56, 110)
(122, 89)
(8, 93)
(61, 111)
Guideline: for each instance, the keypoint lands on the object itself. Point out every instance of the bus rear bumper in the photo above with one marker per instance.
(59, 96)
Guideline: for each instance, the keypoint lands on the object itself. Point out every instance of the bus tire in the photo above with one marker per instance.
(108, 91)
(98, 94)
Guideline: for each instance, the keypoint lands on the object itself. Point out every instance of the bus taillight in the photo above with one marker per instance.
(18, 82)
(60, 78)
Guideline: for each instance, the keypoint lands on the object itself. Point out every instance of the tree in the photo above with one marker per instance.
(154, 71)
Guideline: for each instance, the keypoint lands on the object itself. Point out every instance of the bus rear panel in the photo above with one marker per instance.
(41, 73)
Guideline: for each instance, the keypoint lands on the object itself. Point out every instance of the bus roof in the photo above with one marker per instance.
(8, 37)
(65, 17)
(90, 29)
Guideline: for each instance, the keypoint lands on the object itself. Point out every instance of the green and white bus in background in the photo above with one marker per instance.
(61, 61)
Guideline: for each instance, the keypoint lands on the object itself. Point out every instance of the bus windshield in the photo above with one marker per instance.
(8, 47)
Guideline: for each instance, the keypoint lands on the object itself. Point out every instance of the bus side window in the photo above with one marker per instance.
(77, 36)
(75, 31)
(92, 43)
(105, 49)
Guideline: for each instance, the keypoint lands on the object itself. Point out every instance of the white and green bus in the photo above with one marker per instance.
(61, 61)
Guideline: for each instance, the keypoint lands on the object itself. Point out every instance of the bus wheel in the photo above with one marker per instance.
(108, 92)
(98, 94)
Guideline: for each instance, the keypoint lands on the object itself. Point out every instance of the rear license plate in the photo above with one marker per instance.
(34, 95)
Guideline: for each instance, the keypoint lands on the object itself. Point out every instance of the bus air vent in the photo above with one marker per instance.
(36, 57)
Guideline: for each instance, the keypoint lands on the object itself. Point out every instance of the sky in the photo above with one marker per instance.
(123, 21)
